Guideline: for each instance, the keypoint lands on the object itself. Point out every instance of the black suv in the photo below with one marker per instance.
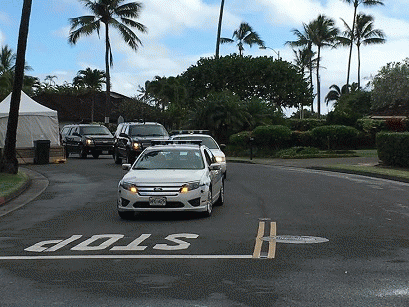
(84, 139)
(130, 139)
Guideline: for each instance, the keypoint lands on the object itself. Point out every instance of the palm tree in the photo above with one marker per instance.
(243, 35)
(112, 13)
(336, 92)
(304, 60)
(365, 34)
(92, 80)
(219, 29)
(304, 40)
(323, 34)
(8, 161)
(356, 3)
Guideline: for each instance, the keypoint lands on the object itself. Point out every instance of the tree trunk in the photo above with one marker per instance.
(352, 44)
(318, 84)
(9, 162)
(359, 68)
(219, 29)
(108, 76)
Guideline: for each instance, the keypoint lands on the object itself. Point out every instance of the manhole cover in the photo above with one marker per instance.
(295, 239)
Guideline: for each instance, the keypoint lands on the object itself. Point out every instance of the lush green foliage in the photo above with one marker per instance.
(278, 83)
(273, 136)
(305, 124)
(240, 139)
(390, 87)
(393, 148)
(334, 136)
(349, 108)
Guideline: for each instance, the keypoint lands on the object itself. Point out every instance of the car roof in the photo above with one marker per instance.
(141, 123)
(190, 135)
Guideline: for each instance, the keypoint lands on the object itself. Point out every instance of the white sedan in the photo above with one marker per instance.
(208, 141)
(171, 177)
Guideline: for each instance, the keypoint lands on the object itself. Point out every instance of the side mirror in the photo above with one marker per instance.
(123, 135)
(76, 134)
(215, 167)
(126, 167)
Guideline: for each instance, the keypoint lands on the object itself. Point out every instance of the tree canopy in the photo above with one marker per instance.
(278, 83)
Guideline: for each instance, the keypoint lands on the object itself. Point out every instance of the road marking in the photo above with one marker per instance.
(126, 257)
(259, 240)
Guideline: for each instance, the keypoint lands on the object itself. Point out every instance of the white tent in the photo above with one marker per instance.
(35, 122)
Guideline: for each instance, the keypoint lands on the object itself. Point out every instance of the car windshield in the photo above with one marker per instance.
(170, 159)
(147, 130)
(95, 130)
(207, 141)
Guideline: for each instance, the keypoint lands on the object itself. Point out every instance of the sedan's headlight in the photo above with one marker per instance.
(129, 186)
(220, 159)
(136, 146)
(189, 187)
(89, 142)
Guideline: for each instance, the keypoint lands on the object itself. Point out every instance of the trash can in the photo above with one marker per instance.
(41, 151)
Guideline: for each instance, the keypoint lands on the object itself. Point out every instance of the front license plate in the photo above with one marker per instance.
(157, 201)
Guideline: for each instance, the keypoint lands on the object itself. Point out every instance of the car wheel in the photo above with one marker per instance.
(130, 159)
(95, 154)
(126, 215)
(83, 153)
(117, 159)
(209, 207)
(220, 200)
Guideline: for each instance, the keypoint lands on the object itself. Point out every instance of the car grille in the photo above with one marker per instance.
(158, 190)
(101, 141)
(169, 204)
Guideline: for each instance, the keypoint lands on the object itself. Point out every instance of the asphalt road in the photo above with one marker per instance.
(285, 237)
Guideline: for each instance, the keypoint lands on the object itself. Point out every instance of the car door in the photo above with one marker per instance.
(69, 139)
(215, 175)
(122, 141)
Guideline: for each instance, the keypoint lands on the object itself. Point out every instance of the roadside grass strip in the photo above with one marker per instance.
(11, 183)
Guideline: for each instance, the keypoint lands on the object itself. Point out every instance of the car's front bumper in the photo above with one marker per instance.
(194, 201)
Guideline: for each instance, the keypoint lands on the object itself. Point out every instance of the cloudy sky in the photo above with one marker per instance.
(180, 32)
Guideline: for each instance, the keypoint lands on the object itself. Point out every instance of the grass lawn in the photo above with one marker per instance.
(10, 183)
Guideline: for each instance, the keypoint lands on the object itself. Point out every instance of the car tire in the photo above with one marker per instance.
(220, 200)
(126, 215)
(83, 153)
(95, 154)
(209, 207)
(130, 159)
(116, 157)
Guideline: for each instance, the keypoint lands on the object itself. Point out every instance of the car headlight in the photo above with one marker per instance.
(89, 142)
(136, 146)
(129, 187)
(189, 187)
(220, 159)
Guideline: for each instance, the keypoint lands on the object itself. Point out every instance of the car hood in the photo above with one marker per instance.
(149, 138)
(98, 136)
(163, 176)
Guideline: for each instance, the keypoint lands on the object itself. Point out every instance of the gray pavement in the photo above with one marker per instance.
(38, 183)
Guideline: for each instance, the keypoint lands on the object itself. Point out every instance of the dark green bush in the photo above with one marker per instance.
(393, 148)
(298, 152)
(305, 124)
(240, 139)
(334, 137)
(273, 136)
(301, 138)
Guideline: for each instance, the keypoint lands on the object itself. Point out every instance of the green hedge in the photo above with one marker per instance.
(240, 139)
(305, 124)
(334, 137)
(273, 136)
(393, 148)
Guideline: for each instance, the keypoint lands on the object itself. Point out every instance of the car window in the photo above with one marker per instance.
(147, 130)
(209, 157)
(170, 159)
(207, 141)
(95, 130)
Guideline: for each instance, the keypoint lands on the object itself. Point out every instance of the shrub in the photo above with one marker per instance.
(301, 138)
(393, 148)
(334, 137)
(273, 136)
(305, 124)
(240, 139)
(298, 152)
